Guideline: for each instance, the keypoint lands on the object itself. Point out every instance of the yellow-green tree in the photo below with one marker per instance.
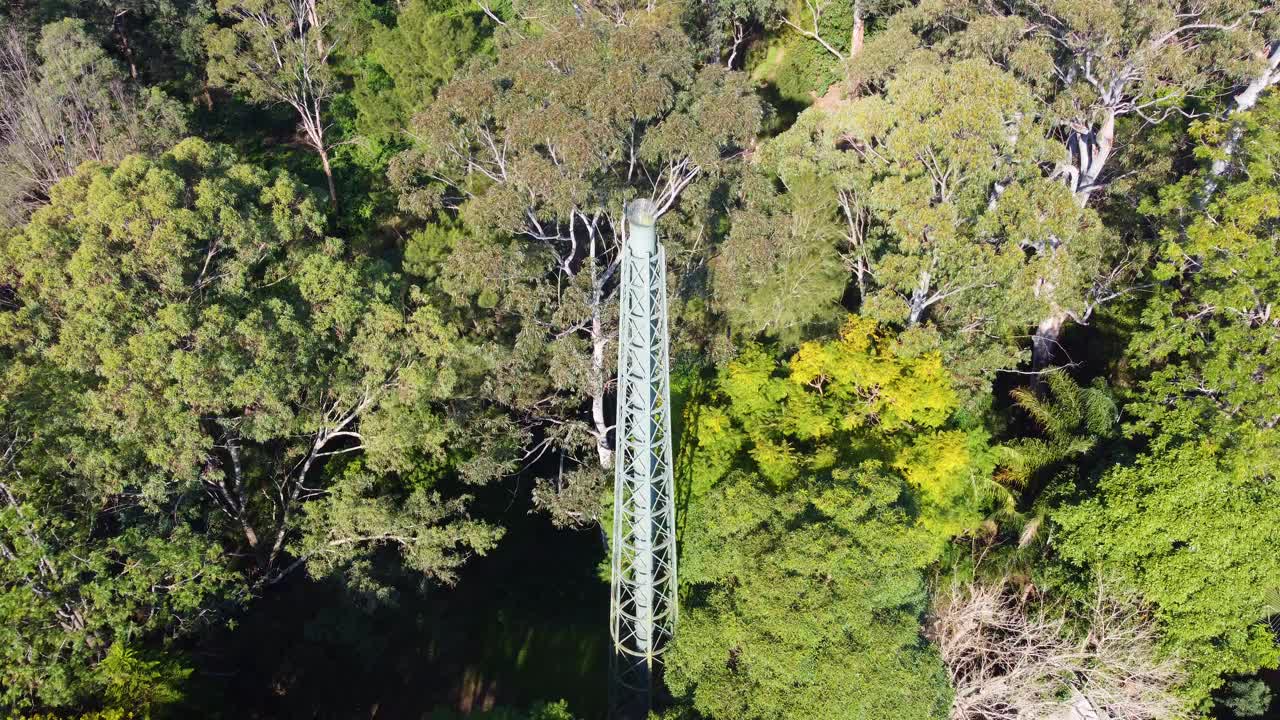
(818, 489)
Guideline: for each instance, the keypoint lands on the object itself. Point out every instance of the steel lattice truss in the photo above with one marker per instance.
(643, 590)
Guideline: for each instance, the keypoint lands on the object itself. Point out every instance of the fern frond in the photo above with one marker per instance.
(1074, 446)
(1022, 459)
(1102, 412)
(1068, 403)
(1035, 406)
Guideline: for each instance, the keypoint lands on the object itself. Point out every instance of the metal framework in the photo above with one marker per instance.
(643, 589)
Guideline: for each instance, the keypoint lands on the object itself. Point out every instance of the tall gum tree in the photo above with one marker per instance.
(64, 102)
(931, 189)
(187, 341)
(1190, 524)
(279, 51)
(1091, 66)
(579, 114)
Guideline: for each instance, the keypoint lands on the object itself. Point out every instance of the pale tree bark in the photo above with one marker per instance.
(584, 243)
(739, 34)
(118, 23)
(284, 58)
(313, 96)
(1117, 82)
(599, 349)
(855, 217)
(1045, 341)
(314, 17)
(323, 150)
(1241, 102)
(925, 295)
(858, 34)
(1090, 150)
(815, 8)
(919, 299)
(291, 488)
(1091, 137)
(226, 486)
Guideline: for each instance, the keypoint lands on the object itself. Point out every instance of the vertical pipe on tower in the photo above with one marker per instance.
(643, 587)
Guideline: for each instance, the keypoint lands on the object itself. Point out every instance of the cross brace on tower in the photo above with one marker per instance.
(643, 588)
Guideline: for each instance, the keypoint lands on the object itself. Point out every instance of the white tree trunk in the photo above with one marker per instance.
(1092, 150)
(599, 345)
(859, 30)
(1045, 340)
(1243, 101)
(919, 299)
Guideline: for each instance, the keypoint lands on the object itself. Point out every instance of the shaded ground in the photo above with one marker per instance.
(528, 622)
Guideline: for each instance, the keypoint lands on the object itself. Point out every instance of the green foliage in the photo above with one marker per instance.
(1072, 418)
(66, 597)
(187, 357)
(156, 41)
(805, 602)
(820, 489)
(134, 682)
(209, 386)
(1139, 55)
(358, 512)
(284, 52)
(270, 50)
(405, 64)
(1192, 531)
(97, 715)
(1247, 698)
(807, 68)
(847, 403)
(1190, 524)
(780, 269)
(934, 191)
(68, 103)
(537, 153)
(1208, 342)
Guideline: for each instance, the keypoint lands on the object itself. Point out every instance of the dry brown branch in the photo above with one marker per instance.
(1012, 658)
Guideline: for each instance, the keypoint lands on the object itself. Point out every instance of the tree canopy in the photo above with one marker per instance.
(309, 333)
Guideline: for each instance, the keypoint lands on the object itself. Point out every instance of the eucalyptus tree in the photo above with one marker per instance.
(538, 153)
(281, 51)
(64, 102)
(152, 39)
(835, 30)
(1190, 524)
(1095, 69)
(147, 34)
(191, 360)
(780, 271)
(931, 194)
(1243, 99)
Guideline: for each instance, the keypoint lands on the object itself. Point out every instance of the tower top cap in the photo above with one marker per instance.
(642, 211)
(641, 217)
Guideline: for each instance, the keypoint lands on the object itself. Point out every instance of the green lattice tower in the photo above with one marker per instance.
(643, 589)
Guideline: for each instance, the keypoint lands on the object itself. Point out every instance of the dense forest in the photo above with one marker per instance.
(308, 341)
